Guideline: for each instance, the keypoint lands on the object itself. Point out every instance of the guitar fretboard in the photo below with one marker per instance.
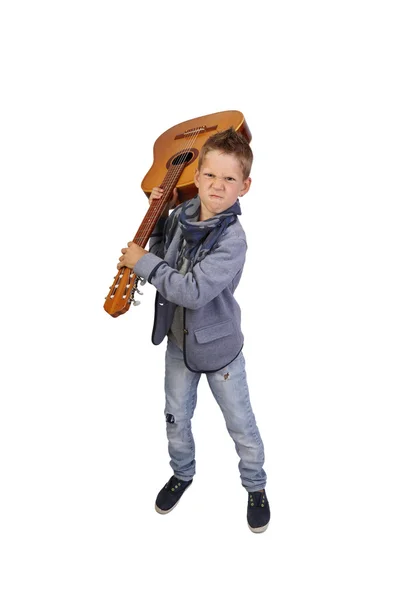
(157, 206)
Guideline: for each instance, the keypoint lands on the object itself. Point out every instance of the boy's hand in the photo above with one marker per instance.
(130, 255)
(156, 194)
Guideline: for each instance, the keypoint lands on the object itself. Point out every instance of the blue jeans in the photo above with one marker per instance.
(229, 388)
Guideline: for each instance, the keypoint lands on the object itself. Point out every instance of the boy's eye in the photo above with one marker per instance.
(209, 175)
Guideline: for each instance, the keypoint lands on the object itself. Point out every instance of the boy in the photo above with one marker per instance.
(196, 265)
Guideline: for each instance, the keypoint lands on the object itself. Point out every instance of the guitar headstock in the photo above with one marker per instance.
(122, 292)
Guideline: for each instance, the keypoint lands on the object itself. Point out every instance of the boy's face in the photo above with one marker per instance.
(220, 182)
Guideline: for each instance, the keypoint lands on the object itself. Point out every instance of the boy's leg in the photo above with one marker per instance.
(180, 396)
(229, 387)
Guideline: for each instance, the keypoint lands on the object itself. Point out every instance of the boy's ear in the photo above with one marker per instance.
(246, 186)
(196, 177)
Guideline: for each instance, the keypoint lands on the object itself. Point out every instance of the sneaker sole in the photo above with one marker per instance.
(164, 512)
(258, 529)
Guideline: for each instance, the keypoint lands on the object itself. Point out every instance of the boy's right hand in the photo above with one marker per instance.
(157, 192)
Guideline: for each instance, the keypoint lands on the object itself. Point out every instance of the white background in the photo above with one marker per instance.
(87, 87)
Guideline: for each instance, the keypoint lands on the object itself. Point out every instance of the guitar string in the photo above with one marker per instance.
(168, 181)
(181, 159)
(171, 173)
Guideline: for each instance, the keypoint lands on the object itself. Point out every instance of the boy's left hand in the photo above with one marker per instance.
(130, 255)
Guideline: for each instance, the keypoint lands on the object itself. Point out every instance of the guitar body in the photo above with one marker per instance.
(176, 154)
(170, 146)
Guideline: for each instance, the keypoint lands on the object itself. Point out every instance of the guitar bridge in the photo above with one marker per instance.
(195, 130)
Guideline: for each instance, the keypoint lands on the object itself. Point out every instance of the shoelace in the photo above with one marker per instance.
(257, 499)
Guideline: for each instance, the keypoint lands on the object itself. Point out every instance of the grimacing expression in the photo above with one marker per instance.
(220, 181)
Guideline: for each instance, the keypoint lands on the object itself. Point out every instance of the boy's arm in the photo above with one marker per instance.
(208, 278)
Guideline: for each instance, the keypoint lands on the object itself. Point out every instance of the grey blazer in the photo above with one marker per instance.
(212, 332)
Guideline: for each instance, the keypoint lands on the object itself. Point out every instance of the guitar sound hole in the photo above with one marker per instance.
(182, 158)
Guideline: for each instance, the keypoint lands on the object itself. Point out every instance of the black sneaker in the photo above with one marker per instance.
(258, 513)
(170, 494)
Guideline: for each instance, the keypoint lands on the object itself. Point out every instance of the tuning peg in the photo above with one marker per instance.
(135, 302)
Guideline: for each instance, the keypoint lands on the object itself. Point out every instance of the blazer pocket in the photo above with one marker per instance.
(213, 332)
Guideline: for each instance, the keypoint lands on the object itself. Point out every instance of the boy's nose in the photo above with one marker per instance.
(218, 183)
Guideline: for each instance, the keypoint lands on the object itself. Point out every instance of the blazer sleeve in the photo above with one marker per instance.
(156, 241)
(208, 278)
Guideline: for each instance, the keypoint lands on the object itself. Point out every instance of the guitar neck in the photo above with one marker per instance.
(157, 207)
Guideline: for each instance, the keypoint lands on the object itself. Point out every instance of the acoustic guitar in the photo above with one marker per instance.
(175, 161)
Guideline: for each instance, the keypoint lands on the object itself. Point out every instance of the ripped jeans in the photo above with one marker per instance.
(229, 388)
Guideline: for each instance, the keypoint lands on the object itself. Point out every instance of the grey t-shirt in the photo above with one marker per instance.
(176, 331)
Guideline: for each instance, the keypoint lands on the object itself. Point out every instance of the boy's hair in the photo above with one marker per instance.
(229, 141)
